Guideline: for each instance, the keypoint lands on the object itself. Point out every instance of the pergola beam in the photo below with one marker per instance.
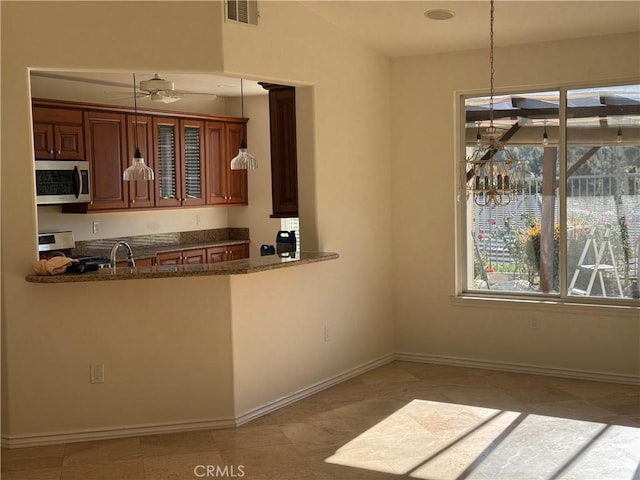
(479, 115)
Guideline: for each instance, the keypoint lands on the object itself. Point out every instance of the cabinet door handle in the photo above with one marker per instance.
(59, 152)
(51, 152)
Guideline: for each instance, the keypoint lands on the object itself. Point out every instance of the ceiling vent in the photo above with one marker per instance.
(243, 11)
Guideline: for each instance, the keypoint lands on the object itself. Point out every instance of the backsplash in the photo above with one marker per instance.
(177, 239)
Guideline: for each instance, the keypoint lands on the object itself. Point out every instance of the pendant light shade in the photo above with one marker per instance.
(138, 170)
(244, 160)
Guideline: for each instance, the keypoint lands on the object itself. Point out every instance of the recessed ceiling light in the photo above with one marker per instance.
(225, 86)
(439, 14)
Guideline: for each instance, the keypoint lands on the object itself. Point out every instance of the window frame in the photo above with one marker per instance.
(462, 294)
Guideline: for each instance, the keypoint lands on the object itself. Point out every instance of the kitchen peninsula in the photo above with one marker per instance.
(232, 267)
(222, 251)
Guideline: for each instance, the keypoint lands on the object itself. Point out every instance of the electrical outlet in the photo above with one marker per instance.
(97, 373)
(95, 227)
(534, 323)
(326, 332)
(198, 218)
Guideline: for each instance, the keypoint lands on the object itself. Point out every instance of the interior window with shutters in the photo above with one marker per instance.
(192, 162)
(167, 161)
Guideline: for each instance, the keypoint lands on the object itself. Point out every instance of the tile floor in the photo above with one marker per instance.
(402, 420)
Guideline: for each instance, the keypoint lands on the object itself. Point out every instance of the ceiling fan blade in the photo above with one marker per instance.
(119, 95)
(185, 93)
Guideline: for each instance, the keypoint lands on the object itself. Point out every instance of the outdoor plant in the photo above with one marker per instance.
(530, 240)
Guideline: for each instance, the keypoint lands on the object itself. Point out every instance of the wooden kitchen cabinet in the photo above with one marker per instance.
(140, 262)
(227, 252)
(190, 155)
(107, 155)
(141, 194)
(284, 162)
(179, 159)
(182, 257)
(224, 186)
(58, 134)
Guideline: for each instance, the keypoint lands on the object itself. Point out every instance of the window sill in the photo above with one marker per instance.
(555, 305)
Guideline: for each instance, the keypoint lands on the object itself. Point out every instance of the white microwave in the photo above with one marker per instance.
(62, 181)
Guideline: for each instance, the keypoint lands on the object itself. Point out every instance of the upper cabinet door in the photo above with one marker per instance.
(192, 145)
(224, 186)
(216, 173)
(141, 194)
(236, 179)
(68, 142)
(167, 161)
(107, 154)
(57, 134)
(43, 141)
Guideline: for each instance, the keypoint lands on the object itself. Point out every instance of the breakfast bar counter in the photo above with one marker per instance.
(232, 267)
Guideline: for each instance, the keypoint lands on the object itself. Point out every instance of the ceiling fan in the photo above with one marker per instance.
(158, 89)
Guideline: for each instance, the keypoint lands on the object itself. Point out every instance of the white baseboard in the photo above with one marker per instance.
(518, 368)
(315, 388)
(17, 441)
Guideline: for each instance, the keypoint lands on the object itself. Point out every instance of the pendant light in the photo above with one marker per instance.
(244, 160)
(492, 174)
(137, 171)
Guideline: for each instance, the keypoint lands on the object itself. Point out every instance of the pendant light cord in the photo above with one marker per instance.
(492, 71)
(135, 112)
(244, 140)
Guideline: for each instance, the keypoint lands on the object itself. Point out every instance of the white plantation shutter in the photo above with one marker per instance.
(167, 161)
(192, 162)
(243, 11)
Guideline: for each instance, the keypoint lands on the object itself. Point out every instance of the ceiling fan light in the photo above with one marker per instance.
(156, 84)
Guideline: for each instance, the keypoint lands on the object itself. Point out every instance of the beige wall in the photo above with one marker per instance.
(375, 138)
(150, 335)
(344, 162)
(153, 346)
(427, 322)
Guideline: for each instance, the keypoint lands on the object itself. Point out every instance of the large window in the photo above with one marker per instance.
(569, 226)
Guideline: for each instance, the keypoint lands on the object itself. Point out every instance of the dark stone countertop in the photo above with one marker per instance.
(232, 267)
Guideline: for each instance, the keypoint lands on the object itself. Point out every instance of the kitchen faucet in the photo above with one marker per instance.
(130, 261)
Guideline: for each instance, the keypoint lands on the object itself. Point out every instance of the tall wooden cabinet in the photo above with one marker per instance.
(107, 155)
(224, 186)
(284, 162)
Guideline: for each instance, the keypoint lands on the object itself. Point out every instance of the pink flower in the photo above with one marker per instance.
(492, 221)
(480, 236)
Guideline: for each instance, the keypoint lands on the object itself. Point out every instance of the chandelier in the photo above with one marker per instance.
(492, 174)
